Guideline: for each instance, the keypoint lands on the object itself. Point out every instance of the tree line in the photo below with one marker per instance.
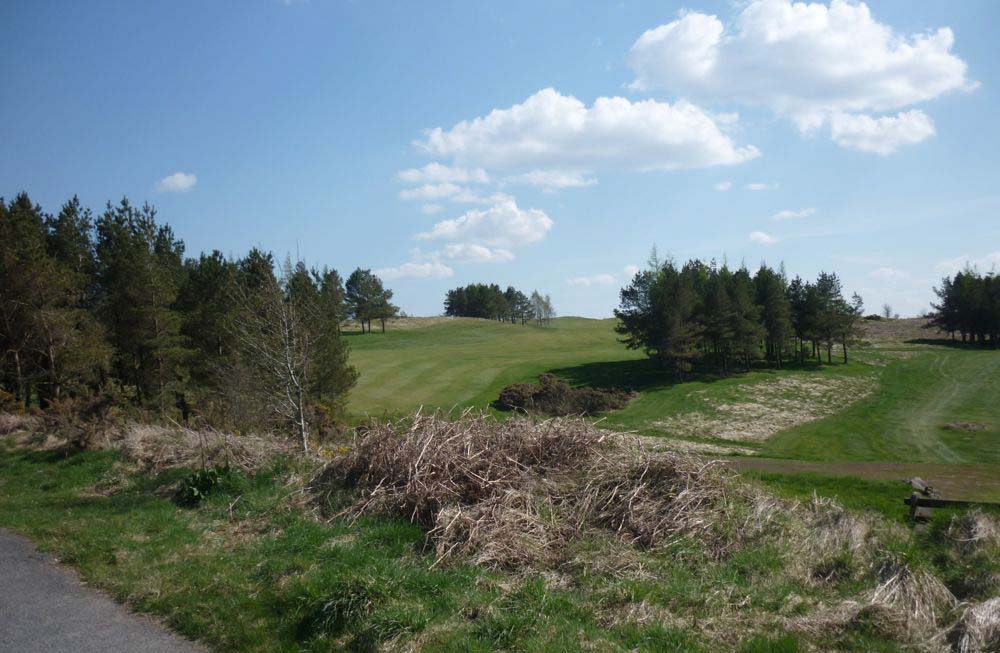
(969, 305)
(727, 319)
(488, 301)
(109, 304)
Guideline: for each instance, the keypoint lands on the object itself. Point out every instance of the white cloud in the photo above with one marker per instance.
(179, 182)
(604, 279)
(805, 61)
(472, 253)
(431, 208)
(788, 214)
(722, 186)
(762, 238)
(757, 186)
(880, 135)
(888, 274)
(551, 130)
(593, 280)
(436, 173)
(989, 262)
(551, 180)
(502, 225)
(418, 267)
(446, 190)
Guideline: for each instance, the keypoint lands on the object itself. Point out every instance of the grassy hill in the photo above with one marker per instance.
(466, 362)
(902, 398)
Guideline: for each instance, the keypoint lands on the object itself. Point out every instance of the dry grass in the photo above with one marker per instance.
(917, 594)
(693, 447)
(974, 529)
(760, 410)
(650, 499)
(833, 543)
(567, 500)
(157, 448)
(978, 629)
(17, 422)
(911, 328)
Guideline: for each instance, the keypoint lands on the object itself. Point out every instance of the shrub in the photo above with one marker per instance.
(85, 421)
(553, 396)
(204, 482)
(14, 422)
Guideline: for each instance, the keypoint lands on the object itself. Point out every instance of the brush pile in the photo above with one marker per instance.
(517, 492)
(157, 448)
(553, 396)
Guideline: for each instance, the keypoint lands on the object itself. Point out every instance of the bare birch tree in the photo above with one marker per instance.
(277, 340)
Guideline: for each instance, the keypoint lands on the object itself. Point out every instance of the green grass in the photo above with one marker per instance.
(904, 419)
(246, 570)
(467, 362)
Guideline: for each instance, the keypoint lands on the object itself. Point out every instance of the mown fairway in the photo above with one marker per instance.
(899, 400)
(466, 362)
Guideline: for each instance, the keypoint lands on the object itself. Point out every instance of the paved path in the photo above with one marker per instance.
(44, 608)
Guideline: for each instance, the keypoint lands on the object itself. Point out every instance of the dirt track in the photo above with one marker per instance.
(970, 482)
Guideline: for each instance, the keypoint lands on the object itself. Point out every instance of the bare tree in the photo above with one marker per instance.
(277, 343)
(887, 311)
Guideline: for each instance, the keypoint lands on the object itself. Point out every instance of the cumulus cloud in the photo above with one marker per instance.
(179, 182)
(554, 131)
(880, 135)
(722, 186)
(805, 61)
(788, 214)
(552, 180)
(759, 185)
(503, 225)
(437, 173)
(888, 274)
(418, 267)
(762, 238)
(473, 253)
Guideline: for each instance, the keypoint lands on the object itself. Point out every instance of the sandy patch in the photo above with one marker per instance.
(760, 410)
(690, 446)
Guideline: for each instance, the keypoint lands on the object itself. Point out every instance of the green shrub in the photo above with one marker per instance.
(204, 482)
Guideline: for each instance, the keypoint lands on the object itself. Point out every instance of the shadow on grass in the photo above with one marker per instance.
(643, 375)
(946, 342)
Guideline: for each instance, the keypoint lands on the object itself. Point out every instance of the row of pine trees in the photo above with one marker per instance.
(969, 305)
(489, 302)
(727, 319)
(109, 304)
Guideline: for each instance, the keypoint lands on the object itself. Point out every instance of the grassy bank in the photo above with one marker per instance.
(252, 568)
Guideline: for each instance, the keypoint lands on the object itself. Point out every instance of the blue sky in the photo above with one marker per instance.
(542, 144)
